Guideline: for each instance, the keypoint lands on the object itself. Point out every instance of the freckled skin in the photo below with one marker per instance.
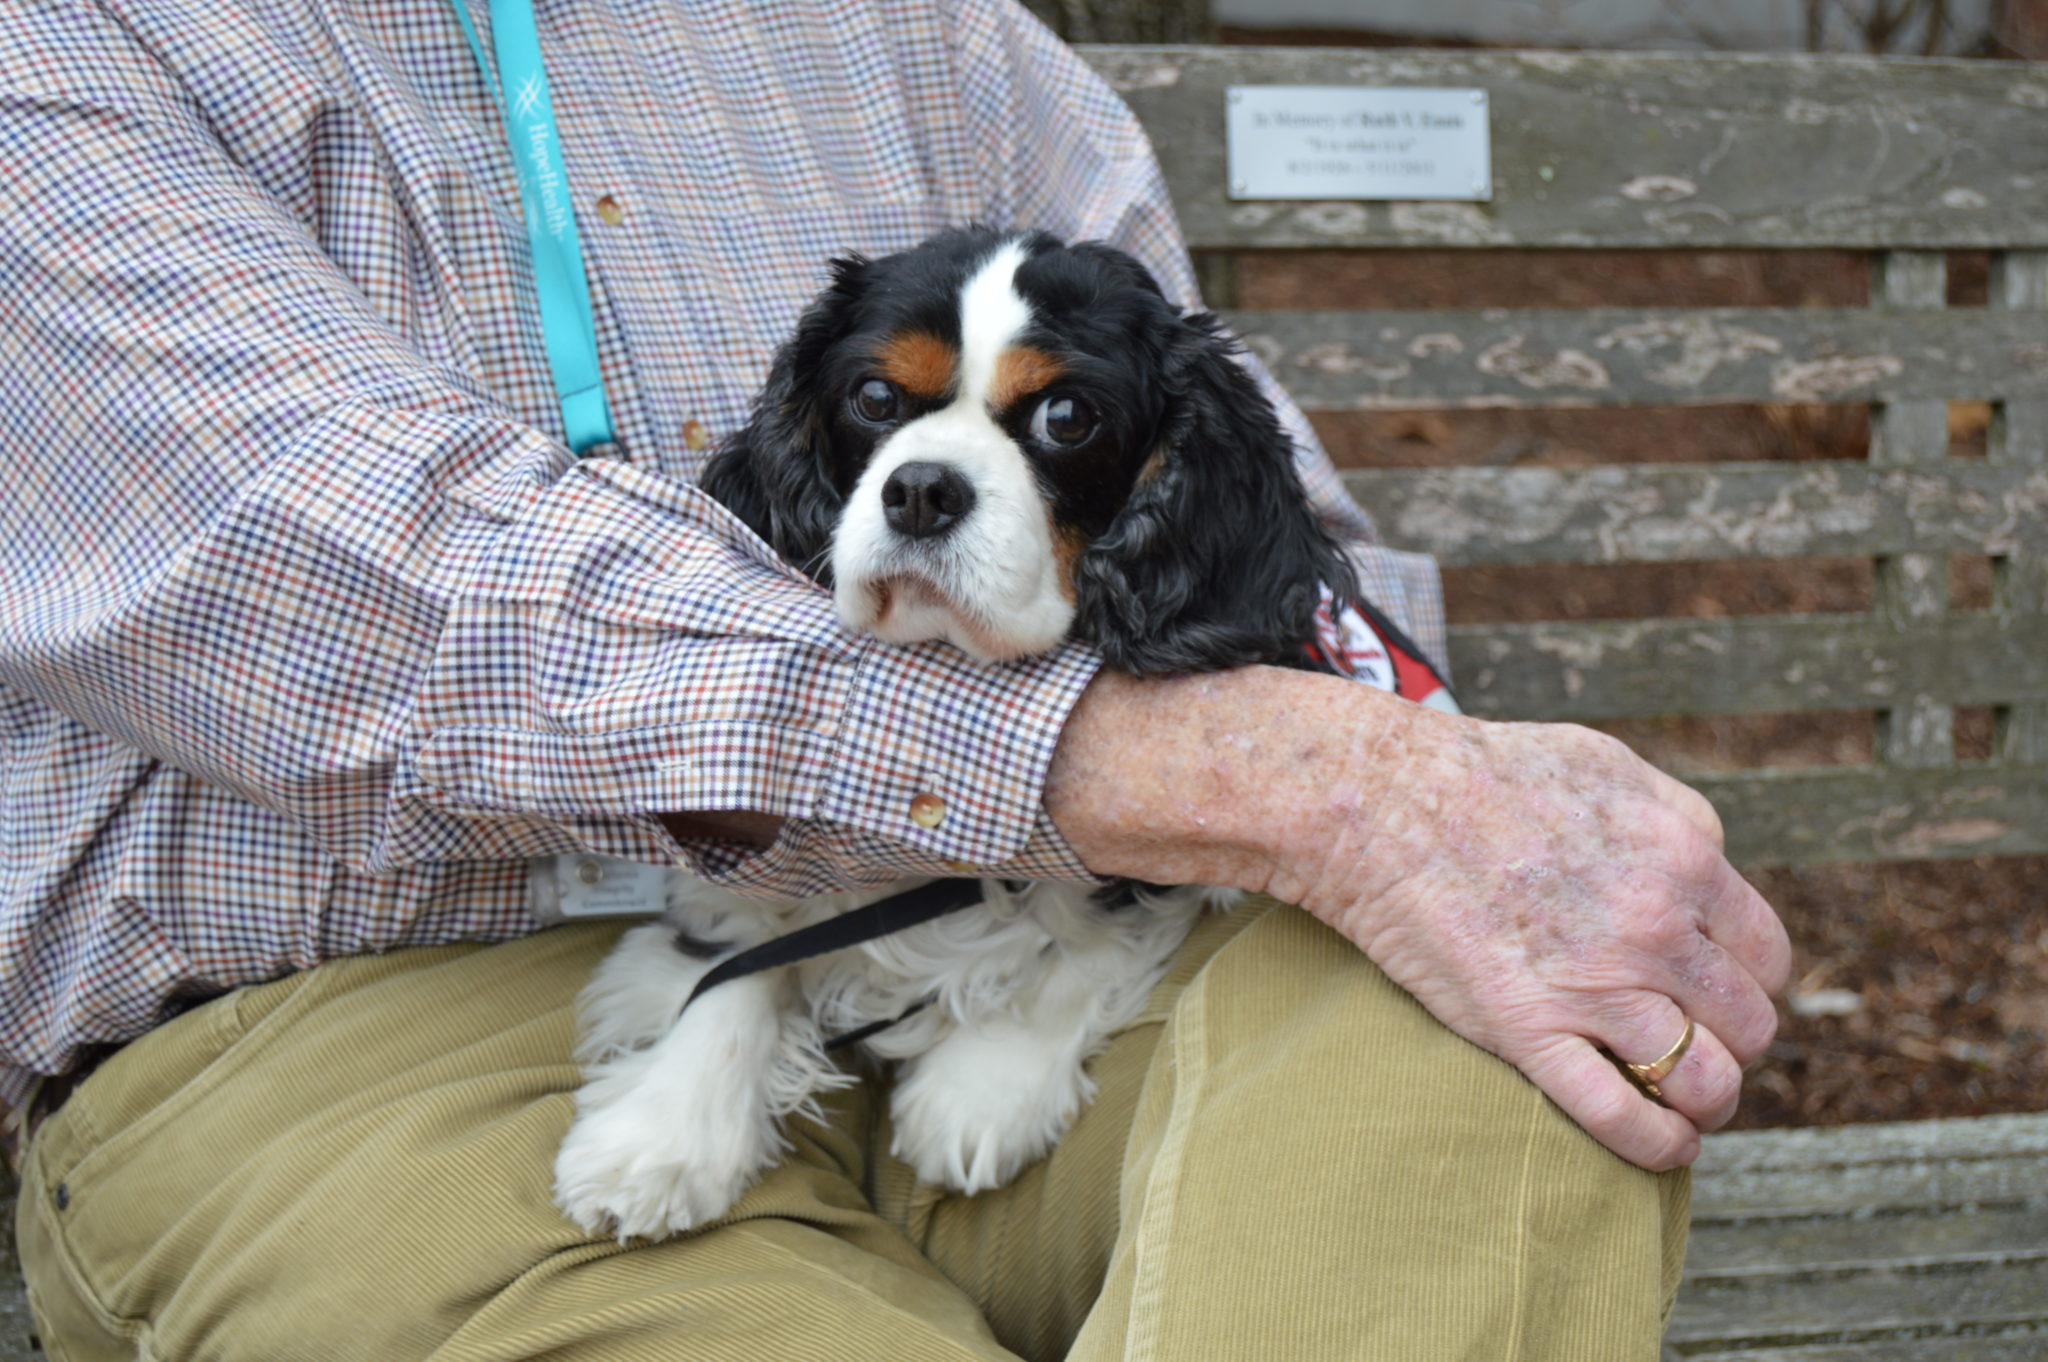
(1539, 888)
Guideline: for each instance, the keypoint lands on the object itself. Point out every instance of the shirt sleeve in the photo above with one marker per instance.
(267, 532)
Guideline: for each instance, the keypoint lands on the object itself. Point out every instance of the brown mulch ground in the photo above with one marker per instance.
(1946, 965)
(1921, 989)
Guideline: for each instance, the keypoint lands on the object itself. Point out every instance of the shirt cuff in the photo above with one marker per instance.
(939, 770)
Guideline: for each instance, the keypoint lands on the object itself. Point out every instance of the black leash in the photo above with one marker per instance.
(910, 908)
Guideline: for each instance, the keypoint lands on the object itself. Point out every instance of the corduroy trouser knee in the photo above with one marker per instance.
(1288, 1159)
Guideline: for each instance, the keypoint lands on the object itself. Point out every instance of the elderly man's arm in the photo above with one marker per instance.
(1539, 888)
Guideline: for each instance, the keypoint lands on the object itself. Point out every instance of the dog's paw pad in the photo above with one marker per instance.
(622, 1174)
(975, 1129)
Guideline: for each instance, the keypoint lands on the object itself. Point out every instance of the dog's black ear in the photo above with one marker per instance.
(1217, 559)
(776, 473)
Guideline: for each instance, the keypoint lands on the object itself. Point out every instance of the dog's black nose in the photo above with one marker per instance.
(922, 499)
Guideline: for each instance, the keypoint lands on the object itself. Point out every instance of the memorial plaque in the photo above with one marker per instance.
(1357, 142)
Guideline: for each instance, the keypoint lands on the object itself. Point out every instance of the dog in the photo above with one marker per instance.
(1001, 441)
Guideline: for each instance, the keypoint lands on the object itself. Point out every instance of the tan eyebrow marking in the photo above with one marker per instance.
(919, 363)
(1021, 371)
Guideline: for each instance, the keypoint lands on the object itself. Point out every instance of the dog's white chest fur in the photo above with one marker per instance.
(680, 1110)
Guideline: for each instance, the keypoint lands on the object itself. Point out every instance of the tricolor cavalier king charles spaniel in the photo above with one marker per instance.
(1000, 441)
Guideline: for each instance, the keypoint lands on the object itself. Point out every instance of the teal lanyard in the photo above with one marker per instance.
(565, 315)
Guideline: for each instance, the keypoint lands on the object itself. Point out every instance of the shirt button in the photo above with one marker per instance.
(695, 437)
(611, 210)
(927, 810)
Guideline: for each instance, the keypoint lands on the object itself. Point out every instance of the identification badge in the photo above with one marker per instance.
(572, 888)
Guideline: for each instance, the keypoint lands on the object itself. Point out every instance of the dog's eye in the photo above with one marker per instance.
(876, 402)
(1063, 421)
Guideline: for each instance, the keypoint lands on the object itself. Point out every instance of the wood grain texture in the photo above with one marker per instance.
(16, 1324)
(1892, 1306)
(1831, 815)
(1641, 149)
(1921, 1241)
(1913, 588)
(1643, 669)
(1651, 668)
(1861, 1170)
(2019, 437)
(1667, 513)
(1336, 361)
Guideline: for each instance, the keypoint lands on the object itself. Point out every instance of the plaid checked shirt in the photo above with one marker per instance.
(310, 629)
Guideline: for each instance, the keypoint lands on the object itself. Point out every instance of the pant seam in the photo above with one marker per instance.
(1189, 1057)
(1522, 1216)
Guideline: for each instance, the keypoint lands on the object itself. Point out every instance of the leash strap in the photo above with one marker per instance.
(566, 320)
(911, 908)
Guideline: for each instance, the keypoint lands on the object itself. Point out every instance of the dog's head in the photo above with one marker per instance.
(1000, 440)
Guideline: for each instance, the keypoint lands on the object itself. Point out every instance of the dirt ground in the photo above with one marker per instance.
(1921, 989)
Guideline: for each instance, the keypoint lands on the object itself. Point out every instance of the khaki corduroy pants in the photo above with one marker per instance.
(1288, 1160)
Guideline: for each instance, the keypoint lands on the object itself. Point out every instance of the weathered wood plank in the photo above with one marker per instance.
(1880, 814)
(1336, 361)
(1920, 1241)
(2019, 436)
(1894, 1306)
(1639, 669)
(1826, 1149)
(2022, 1344)
(1733, 1253)
(16, 1324)
(1664, 513)
(1912, 588)
(1642, 149)
(1864, 1169)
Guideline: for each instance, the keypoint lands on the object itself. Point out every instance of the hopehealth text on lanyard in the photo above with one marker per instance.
(565, 315)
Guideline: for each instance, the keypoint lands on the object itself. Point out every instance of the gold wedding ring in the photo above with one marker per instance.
(1648, 1076)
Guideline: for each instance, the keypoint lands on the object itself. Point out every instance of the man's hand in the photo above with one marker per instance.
(1538, 887)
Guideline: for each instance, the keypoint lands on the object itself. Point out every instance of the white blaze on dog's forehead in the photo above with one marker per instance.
(992, 584)
(992, 317)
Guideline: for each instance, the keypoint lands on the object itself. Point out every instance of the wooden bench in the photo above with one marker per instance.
(1882, 1243)
(1906, 159)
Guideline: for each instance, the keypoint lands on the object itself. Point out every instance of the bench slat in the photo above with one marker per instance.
(1855, 1170)
(2021, 1345)
(1880, 814)
(1606, 149)
(1886, 1306)
(1735, 1253)
(1765, 665)
(1336, 361)
(1667, 513)
(1922, 1241)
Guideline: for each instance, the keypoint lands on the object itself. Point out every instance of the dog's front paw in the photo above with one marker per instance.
(973, 1111)
(636, 1162)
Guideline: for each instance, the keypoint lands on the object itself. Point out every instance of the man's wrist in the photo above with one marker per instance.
(1222, 778)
